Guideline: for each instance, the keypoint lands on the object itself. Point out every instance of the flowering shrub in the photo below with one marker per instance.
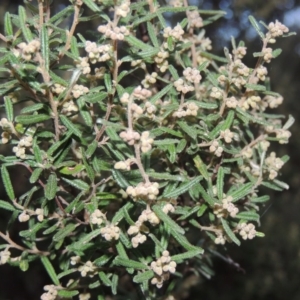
(144, 149)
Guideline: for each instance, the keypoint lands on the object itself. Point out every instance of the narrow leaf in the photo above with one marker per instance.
(142, 277)
(7, 206)
(51, 187)
(71, 126)
(220, 183)
(7, 183)
(189, 254)
(128, 263)
(230, 232)
(50, 270)
(9, 109)
(167, 220)
(45, 47)
(64, 232)
(32, 119)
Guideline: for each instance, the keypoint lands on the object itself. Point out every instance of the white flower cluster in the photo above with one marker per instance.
(227, 135)
(69, 108)
(216, 93)
(149, 80)
(267, 54)
(247, 231)
(192, 75)
(7, 130)
(261, 73)
(110, 232)
(84, 296)
(79, 90)
(275, 30)
(123, 9)
(150, 110)
(187, 109)
(182, 86)
(162, 268)
(220, 239)
(97, 53)
(141, 93)
(227, 207)
(123, 165)
(252, 101)
(146, 141)
(87, 269)
(176, 3)
(240, 52)
(4, 257)
(27, 51)
(247, 153)
(194, 19)
(283, 135)
(137, 110)
(130, 137)
(215, 148)
(177, 32)
(145, 191)
(231, 102)
(83, 64)
(75, 260)
(99, 74)
(274, 164)
(97, 217)
(161, 60)
(24, 216)
(113, 32)
(24, 143)
(240, 68)
(51, 292)
(57, 88)
(139, 227)
(40, 214)
(272, 101)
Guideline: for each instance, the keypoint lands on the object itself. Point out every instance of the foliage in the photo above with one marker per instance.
(145, 149)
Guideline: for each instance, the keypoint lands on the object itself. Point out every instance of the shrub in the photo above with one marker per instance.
(145, 150)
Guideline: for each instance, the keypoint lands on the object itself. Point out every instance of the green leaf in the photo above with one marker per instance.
(152, 34)
(230, 232)
(120, 179)
(7, 183)
(189, 130)
(78, 184)
(32, 119)
(228, 121)
(161, 93)
(120, 214)
(201, 166)
(256, 26)
(167, 220)
(182, 240)
(102, 260)
(7, 206)
(182, 188)
(45, 47)
(241, 191)
(276, 52)
(133, 41)
(128, 263)
(104, 278)
(220, 183)
(35, 175)
(33, 108)
(24, 265)
(165, 142)
(179, 258)
(201, 210)
(144, 276)
(71, 126)
(25, 30)
(8, 28)
(114, 283)
(248, 216)
(261, 199)
(67, 294)
(50, 270)
(9, 109)
(51, 187)
(85, 239)
(92, 5)
(255, 87)
(64, 232)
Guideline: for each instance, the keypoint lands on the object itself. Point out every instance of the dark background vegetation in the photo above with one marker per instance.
(269, 267)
